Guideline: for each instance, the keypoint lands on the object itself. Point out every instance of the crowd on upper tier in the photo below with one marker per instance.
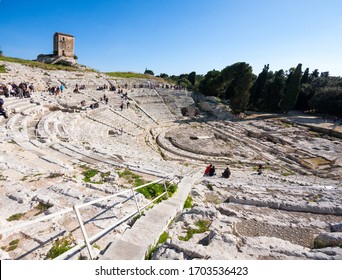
(12, 89)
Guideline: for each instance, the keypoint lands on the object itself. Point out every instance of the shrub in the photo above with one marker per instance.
(132, 178)
(162, 239)
(42, 207)
(90, 173)
(2, 68)
(54, 175)
(203, 226)
(13, 245)
(60, 247)
(154, 190)
(188, 202)
(15, 217)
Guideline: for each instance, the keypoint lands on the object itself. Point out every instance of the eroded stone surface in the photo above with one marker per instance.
(48, 140)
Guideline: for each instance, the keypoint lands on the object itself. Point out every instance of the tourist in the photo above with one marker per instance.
(2, 109)
(226, 173)
(20, 93)
(31, 87)
(121, 106)
(76, 89)
(58, 91)
(61, 88)
(260, 168)
(207, 170)
(212, 171)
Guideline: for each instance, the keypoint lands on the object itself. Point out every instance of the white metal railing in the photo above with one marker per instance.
(76, 208)
(89, 240)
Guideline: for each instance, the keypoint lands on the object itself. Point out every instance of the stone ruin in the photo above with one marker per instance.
(292, 211)
(63, 50)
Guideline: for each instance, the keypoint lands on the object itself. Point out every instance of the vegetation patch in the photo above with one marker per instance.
(11, 246)
(54, 175)
(2, 69)
(15, 217)
(210, 186)
(188, 202)
(42, 207)
(151, 191)
(41, 65)
(162, 239)
(61, 246)
(128, 75)
(132, 178)
(203, 226)
(154, 190)
(90, 173)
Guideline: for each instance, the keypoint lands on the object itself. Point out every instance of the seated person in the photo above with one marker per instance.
(260, 168)
(207, 170)
(212, 171)
(2, 109)
(226, 173)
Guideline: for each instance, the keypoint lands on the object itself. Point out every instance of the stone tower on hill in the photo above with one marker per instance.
(63, 50)
(63, 45)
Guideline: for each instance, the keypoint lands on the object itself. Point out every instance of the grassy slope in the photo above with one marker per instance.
(37, 64)
(45, 66)
(2, 69)
(128, 75)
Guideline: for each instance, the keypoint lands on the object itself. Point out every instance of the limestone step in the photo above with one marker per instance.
(135, 242)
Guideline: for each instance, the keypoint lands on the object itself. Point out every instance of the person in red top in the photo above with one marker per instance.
(207, 170)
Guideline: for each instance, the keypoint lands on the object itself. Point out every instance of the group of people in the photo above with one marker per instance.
(56, 90)
(104, 98)
(77, 88)
(23, 90)
(211, 171)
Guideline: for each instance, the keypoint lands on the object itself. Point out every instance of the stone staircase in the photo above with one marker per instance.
(135, 242)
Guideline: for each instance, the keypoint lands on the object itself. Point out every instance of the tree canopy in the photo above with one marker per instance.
(279, 91)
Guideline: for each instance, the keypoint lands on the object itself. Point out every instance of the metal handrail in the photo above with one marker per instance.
(89, 240)
(41, 219)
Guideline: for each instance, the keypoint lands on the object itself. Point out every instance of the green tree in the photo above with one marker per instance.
(328, 101)
(163, 75)
(210, 83)
(305, 78)
(325, 74)
(184, 82)
(192, 78)
(275, 92)
(315, 74)
(238, 79)
(259, 87)
(306, 92)
(304, 95)
(148, 72)
(292, 89)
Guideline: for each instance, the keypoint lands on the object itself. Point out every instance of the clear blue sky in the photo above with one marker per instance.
(179, 36)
